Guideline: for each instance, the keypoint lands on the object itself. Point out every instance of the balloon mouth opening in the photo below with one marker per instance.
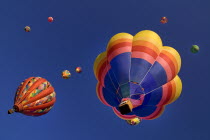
(125, 107)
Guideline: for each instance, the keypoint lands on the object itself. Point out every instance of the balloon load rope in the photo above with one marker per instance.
(119, 94)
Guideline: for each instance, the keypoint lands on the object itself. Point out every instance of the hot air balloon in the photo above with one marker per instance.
(27, 29)
(66, 74)
(194, 49)
(78, 69)
(34, 97)
(164, 20)
(137, 75)
(134, 121)
(50, 19)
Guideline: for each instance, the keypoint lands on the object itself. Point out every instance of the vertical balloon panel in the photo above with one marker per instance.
(155, 78)
(111, 98)
(103, 72)
(153, 98)
(106, 89)
(119, 56)
(165, 69)
(99, 92)
(146, 47)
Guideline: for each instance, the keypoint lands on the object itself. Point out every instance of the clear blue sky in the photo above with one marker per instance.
(80, 31)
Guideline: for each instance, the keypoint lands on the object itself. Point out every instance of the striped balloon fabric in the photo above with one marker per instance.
(34, 97)
(141, 69)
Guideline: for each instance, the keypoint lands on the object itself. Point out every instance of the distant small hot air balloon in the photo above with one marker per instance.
(50, 19)
(66, 74)
(27, 29)
(78, 69)
(163, 20)
(134, 121)
(34, 97)
(195, 48)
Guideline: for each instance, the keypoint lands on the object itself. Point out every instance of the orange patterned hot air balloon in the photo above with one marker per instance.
(34, 97)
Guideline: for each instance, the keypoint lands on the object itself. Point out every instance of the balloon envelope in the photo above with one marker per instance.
(27, 29)
(78, 69)
(66, 74)
(34, 97)
(50, 19)
(141, 69)
(195, 48)
(164, 20)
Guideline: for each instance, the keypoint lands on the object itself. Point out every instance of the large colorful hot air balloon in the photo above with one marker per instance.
(34, 97)
(137, 75)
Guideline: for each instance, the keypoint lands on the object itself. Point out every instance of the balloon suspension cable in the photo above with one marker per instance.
(11, 111)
